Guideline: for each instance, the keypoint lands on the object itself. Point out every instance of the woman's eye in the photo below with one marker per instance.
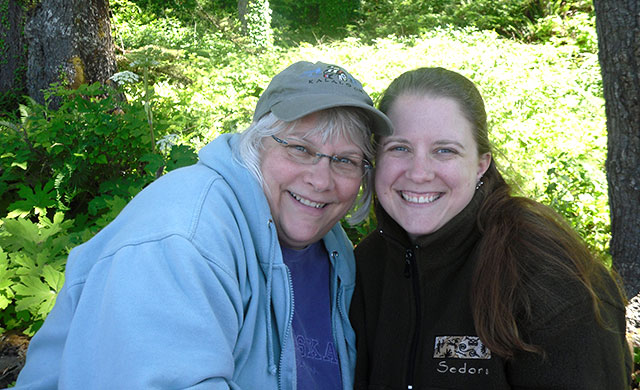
(446, 151)
(345, 160)
(298, 148)
(398, 148)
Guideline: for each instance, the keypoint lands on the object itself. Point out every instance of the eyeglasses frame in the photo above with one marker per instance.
(366, 164)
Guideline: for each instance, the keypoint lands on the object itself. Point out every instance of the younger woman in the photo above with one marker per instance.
(463, 285)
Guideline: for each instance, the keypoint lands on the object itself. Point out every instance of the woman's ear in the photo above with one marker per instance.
(483, 164)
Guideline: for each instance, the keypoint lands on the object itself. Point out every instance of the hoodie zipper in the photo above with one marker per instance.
(339, 316)
(411, 272)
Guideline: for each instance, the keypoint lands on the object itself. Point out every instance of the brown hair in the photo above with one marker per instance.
(523, 244)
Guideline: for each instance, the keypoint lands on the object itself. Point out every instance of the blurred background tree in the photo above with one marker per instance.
(255, 18)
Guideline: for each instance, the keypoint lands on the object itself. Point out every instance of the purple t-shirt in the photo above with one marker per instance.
(316, 356)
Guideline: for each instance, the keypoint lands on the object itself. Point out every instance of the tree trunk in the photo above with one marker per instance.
(618, 28)
(69, 41)
(13, 61)
(255, 16)
(242, 11)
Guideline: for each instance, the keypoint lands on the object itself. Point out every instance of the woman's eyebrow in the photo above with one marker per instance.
(449, 142)
(388, 140)
(354, 151)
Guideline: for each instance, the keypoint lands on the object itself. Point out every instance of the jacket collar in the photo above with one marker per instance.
(451, 242)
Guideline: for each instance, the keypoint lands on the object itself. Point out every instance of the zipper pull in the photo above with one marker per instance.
(408, 258)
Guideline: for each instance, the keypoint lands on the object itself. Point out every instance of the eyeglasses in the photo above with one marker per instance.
(352, 167)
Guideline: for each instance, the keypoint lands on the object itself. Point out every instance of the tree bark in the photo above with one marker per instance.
(255, 17)
(618, 28)
(13, 62)
(69, 41)
(242, 11)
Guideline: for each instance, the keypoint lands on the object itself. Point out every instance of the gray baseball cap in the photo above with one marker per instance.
(305, 87)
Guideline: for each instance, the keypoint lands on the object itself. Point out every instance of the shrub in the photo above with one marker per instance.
(526, 20)
(32, 259)
(327, 17)
(94, 148)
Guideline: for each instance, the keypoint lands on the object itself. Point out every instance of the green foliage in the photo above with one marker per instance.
(185, 10)
(73, 149)
(156, 8)
(63, 159)
(578, 191)
(357, 232)
(166, 32)
(527, 20)
(402, 18)
(210, 28)
(32, 259)
(327, 17)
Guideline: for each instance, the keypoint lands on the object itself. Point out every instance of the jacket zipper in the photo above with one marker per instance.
(411, 272)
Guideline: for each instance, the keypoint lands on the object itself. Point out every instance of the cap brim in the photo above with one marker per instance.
(296, 107)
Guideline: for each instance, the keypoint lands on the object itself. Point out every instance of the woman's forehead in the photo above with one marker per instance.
(320, 132)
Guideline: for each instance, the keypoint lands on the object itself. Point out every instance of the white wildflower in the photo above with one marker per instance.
(165, 143)
(125, 77)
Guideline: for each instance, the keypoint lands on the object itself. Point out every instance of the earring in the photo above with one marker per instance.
(479, 184)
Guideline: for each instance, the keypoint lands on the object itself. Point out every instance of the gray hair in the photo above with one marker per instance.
(349, 122)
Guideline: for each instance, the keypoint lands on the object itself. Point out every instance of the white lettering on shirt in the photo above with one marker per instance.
(461, 369)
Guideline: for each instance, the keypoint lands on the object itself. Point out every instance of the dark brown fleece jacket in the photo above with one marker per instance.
(415, 330)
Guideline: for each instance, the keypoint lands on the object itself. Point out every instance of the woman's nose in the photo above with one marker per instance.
(320, 175)
(421, 169)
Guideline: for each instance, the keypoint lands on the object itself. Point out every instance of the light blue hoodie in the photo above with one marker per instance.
(185, 289)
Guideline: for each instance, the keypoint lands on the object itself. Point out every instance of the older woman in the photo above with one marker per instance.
(193, 284)
(464, 286)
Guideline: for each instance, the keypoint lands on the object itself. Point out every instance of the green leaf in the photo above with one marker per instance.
(28, 265)
(22, 165)
(181, 156)
(37, 199)
(54, 278)
(6, 281)
(23, 229)
(102, 159)
(18, 213)
(4, 302)
(154, 162)
(37, 296)
(9, 125)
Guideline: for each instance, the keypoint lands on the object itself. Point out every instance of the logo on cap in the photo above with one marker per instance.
(331, 74)
(332, 71)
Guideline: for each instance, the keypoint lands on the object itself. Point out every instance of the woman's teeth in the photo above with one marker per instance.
(420, 198)
(307, 202)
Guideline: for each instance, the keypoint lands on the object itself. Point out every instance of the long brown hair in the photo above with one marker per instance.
(523, 242)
